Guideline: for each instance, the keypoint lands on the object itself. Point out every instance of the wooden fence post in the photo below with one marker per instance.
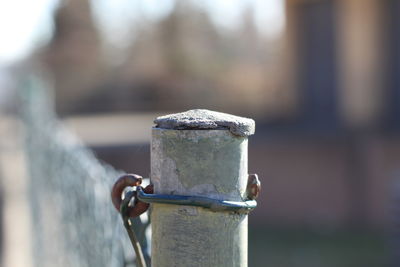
(199, 153)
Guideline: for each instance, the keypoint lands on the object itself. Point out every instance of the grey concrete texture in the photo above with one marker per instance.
(203, 119)
(208, 163)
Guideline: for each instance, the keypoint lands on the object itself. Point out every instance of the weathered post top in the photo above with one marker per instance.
(203, 119)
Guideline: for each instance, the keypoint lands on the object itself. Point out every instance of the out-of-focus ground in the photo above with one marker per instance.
(274, 246)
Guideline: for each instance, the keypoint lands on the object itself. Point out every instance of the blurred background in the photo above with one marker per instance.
(320, 77)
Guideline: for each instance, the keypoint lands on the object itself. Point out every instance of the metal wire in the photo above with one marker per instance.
(140, 259)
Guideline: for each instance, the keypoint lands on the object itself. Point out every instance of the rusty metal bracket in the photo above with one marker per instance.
(125, 181)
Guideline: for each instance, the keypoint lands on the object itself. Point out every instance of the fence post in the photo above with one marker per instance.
(199, 153)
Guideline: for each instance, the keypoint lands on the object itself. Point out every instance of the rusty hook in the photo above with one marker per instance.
(118, 188)
(253, 186)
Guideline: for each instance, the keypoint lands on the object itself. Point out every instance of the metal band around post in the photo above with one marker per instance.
(204, 202)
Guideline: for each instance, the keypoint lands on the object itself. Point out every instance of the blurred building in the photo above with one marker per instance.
(343, 71)
(343, 58)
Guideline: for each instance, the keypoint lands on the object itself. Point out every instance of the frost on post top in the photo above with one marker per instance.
(203, 119)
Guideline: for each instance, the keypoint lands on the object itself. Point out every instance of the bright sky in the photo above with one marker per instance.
(25, 24)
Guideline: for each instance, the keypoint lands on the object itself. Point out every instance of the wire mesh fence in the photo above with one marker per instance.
(74, 223)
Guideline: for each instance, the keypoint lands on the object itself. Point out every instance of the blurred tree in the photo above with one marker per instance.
(73, 55)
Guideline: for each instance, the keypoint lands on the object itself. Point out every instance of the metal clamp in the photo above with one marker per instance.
(204, 202)
(143, 197)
